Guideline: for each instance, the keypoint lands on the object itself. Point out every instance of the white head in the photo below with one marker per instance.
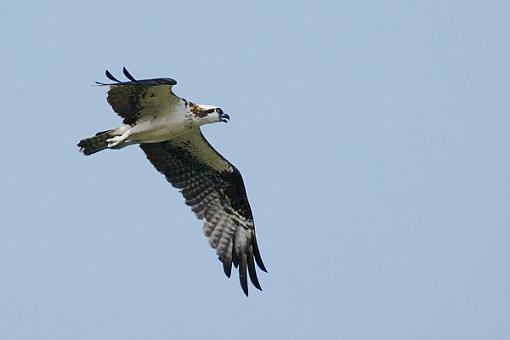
(206, 114)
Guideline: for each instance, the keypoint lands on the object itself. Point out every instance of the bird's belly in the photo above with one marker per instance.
(158, 130)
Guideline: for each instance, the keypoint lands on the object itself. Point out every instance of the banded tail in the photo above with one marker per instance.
(95, 144)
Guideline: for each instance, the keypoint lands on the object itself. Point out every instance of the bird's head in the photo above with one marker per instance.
(206, 114)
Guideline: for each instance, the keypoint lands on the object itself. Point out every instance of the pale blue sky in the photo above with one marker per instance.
(373, 137)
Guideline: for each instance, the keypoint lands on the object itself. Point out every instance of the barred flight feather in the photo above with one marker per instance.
(215, 191)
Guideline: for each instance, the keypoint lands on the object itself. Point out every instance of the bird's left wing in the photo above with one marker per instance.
(215, 191)
(134, 98)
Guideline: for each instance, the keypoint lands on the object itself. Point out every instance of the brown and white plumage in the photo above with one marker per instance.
(167, 128)
(215, 191)
(134, 98)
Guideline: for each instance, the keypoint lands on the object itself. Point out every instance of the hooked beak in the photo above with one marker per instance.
(224, 117)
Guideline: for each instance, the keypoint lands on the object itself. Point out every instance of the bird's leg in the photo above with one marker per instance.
(116, 140)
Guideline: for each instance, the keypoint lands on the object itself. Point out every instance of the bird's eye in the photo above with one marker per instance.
(218, 110)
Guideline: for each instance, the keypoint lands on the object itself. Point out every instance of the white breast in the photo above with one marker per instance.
(160, 126)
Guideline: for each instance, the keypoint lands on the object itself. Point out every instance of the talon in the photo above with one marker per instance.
(114, 141)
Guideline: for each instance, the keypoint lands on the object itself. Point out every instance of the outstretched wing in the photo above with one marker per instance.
(133, 98)
(215, 191)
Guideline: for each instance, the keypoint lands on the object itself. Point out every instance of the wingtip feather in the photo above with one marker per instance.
(256, 254)
(110, 76)
(251, 270)
(128, 75)
(243, 278)
(227, 267)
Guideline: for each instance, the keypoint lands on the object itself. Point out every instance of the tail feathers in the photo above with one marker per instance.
(95, 144)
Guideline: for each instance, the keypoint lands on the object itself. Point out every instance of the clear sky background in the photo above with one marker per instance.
(373, 137)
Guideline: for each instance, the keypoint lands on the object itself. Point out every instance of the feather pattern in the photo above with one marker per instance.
(210, 185)
(131, 99)
(215, 191)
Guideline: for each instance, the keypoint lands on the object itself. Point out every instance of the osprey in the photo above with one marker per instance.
(167, 129)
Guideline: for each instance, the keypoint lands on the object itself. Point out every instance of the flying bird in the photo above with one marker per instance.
(167, 129)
